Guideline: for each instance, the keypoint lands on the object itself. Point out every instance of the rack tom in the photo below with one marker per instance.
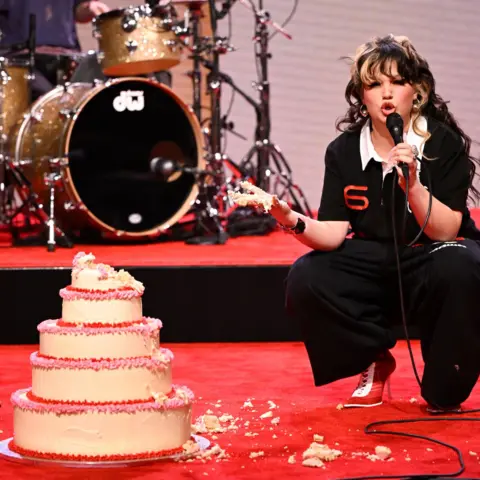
(137, 40)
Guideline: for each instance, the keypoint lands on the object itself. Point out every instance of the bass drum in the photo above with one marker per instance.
(109, 134)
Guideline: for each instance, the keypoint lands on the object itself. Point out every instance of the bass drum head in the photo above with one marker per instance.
(116, 132)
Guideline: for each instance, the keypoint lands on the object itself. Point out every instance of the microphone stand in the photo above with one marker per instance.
(263, 146)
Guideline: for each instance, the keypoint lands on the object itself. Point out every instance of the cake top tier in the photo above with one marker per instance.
(87, 274)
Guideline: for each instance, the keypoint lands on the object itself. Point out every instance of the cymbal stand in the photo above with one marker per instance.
(208, 204)
(194, 10)
(263, 147)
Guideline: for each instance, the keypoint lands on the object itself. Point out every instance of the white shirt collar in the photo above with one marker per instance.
(367, 150)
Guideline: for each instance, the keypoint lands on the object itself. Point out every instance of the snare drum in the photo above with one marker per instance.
(109, 134)
(136, 40)
(14, 92)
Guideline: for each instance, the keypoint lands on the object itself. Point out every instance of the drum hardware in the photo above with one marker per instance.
(129, 22)
(30, 204)
(56, 162)
(263, 147)
(209, 229)
(32, 44)
(52, 180)
(195, 14)
(70, 206)
(131, 45)
(3, 183)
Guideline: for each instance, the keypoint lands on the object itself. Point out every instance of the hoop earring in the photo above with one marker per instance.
(417, 103)
(363, 111)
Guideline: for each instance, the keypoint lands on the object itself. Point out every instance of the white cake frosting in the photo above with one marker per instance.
(94, 434)
(134, 341)
(107, 288)
(102, 311)
(87, 274)
(135, 379)
(101, 384)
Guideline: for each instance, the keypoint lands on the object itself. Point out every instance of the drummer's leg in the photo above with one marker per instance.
(88, 70)
(40, 85)
(45, 78)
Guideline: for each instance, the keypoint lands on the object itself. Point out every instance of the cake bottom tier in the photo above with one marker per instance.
(103, 432)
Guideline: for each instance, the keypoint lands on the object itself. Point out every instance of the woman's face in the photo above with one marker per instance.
(387, 94)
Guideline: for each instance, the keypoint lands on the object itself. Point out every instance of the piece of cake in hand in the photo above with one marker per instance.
(101, 384)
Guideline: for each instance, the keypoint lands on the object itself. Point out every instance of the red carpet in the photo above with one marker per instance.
(224, 376)
(274, 249)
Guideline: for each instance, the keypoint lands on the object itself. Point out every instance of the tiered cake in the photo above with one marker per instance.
(101, 384)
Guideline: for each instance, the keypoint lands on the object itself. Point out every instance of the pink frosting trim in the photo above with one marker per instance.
(116, 294)
(151, 328)
(163, 361)
(182, 396)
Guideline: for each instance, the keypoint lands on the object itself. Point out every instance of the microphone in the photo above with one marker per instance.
(169, 170)
(163, 167)
(395, 127)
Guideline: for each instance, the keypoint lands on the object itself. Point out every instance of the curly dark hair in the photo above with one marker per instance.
(378, 56)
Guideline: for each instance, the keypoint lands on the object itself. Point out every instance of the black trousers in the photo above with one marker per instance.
(50, 71)
(346, 300)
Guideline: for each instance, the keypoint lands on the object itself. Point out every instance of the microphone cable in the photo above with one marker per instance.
(430, 201)
(371, 429)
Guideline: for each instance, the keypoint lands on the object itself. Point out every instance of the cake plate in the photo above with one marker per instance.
(5, 452)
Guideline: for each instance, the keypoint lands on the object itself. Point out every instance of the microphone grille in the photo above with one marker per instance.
(394, 120)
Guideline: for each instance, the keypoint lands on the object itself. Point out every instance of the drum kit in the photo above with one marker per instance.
(127, 158)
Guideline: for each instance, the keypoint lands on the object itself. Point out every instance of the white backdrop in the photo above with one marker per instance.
(308, 79)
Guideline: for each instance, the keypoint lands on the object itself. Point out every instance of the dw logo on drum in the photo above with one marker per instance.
(130, 100)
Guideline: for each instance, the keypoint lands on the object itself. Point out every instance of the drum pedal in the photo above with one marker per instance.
(30, 205)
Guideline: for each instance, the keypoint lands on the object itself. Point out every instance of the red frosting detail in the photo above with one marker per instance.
(91, 458)
(62, 323)
(93, 290)
(70, 293)
(46, 401)
(160, 360)
(172, 402)
(71, 359)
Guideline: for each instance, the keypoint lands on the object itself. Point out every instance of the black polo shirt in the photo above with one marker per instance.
(363, 198)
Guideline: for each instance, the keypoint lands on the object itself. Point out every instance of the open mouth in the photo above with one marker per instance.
(388, 108)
